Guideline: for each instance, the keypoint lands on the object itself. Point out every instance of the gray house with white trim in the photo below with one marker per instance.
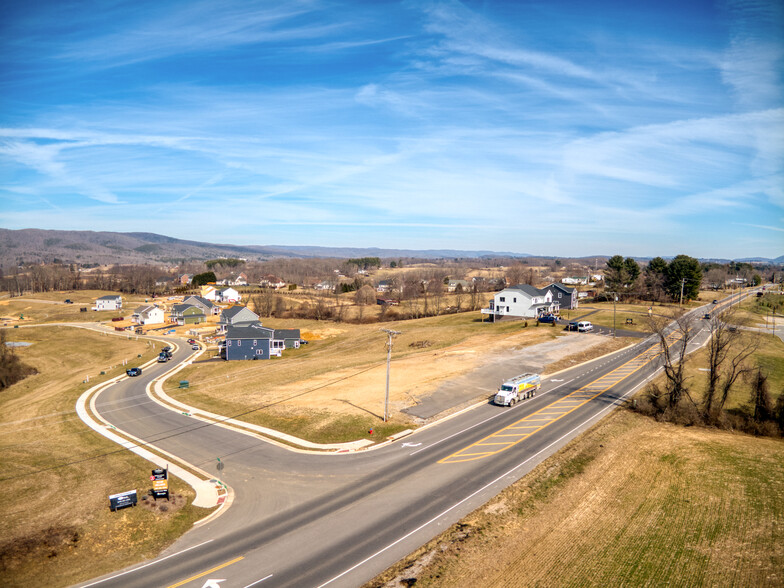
(236, 316)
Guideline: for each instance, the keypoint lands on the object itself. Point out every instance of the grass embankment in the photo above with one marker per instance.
(632, 502)
(55, 523)
(332, 389)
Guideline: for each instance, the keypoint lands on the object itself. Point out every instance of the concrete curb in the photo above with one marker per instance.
(209, 493)
(262, 433)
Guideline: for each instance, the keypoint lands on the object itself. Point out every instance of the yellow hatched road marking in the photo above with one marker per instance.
(556, 410)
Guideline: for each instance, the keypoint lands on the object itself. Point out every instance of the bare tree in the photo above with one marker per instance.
(760, 398)
(363, 297)
(459, 296)
(264, 302)
(673, 341)
(724, 339)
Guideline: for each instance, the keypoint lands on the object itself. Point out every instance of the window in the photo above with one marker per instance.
(254, 342)
(507, 309)
(514, 299)
(502, 299)
(228, 343)
(559, 294)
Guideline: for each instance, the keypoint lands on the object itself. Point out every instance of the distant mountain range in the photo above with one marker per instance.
(103, 247)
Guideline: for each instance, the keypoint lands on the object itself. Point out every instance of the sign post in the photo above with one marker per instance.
(160, 483)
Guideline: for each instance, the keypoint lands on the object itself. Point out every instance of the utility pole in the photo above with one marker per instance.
(615, 299)
(391, 334)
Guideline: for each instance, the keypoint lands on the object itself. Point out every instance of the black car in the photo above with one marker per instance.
(137, 371)
(68, 301)
(572, 326)
(715, 302)
(163, 358)
(548, 318)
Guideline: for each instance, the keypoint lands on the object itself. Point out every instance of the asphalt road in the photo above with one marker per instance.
(302, 519)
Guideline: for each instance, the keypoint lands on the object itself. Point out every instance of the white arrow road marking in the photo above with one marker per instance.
(556, 380)
(213, 583)
(411, 444)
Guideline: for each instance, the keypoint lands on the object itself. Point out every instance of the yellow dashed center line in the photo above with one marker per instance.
(558, 409)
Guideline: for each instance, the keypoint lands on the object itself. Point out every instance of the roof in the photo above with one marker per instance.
(528, 289)
(183, 307)
(233, 311)
(255, 331)
(110, 297)
(565, 289)
(202, 300)
(144, 309)
(286, 334)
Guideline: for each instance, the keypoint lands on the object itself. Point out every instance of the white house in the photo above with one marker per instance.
(575, 280)
(148, 315)
(209, 292)
(227, 295)
(112, 302)
(522, 301)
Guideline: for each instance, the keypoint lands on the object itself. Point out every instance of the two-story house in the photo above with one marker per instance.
(521, 302)
(566, 297)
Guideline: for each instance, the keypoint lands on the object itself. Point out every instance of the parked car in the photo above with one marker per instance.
(68, 301)
(137, 371)
(548, 318)
(195, 347)
(572, 326)
(584, 326)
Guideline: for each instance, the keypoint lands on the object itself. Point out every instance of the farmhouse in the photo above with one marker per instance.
(520, 302)
(452, 285)
(111, 302)
(148, 315)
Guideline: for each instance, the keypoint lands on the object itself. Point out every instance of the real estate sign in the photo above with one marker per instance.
(160, 483)
(122, 500)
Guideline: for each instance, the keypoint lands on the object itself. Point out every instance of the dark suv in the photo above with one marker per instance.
(548, 318)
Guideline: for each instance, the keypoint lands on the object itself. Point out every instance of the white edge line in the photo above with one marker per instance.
(489, 484)
(499, 414)
(259, 581)
(146, 565)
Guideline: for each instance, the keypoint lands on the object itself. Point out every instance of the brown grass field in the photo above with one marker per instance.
(632, 502)
(55, 523)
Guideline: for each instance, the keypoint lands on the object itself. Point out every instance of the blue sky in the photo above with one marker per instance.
(552, 128)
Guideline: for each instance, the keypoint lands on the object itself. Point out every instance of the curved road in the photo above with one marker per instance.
(301, 519)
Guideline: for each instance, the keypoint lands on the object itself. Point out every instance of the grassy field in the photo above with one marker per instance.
(333, 388)
(55, 523)
(631, 503)
(48, 307)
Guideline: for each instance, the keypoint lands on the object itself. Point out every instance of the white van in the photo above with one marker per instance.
(584, 326)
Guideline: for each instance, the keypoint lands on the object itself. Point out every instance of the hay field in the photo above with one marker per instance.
(631, 503)
(55, 525)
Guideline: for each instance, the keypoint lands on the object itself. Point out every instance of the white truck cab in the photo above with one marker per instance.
(519, 387)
